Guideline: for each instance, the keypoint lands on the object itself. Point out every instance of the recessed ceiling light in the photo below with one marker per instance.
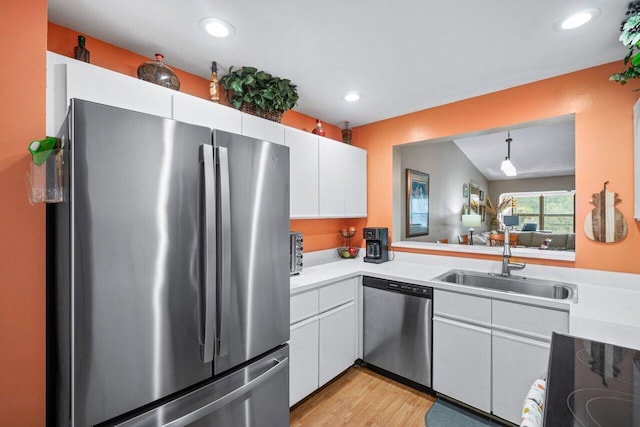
(217, 27)
(352, 97)
(578, 19)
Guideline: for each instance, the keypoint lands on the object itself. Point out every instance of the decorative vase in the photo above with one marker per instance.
(158, 73)
(318, 129)
(81, 52)
(495, 223)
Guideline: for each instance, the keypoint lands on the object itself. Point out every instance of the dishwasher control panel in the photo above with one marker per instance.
(405, 288)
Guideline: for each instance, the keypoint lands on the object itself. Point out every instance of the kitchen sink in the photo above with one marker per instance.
(512, 284)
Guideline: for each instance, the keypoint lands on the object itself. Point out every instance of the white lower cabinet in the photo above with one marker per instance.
(520, 348)
(487, 352)
(338, 341)
(517, 363)
(461, 362)
(324, 336)
(303, 359)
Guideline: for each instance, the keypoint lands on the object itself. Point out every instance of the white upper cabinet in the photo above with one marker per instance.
(356, 192)
(68, 78)
(342, 180)
(259, 128)
(328, 179)
(303, 187)
(198, 111)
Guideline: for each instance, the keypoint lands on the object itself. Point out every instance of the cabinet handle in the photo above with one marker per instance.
(461, 319)
(462, 325)
(524, 340)
(525, 334)
(304, 322)
(336, 309)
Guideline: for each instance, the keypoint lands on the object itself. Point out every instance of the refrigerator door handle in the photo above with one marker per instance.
(225, 252)
(209, 252)
(278, 365)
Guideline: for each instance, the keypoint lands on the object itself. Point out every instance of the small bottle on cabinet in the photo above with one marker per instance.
(318, 129)
(80, 52)
(214, 93)
(346, 133)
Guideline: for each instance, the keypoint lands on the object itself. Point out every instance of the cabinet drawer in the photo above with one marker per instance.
(303, 306)
(462, 307)
(536, 321)
(337, 294)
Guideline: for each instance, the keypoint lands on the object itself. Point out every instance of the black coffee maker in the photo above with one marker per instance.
(377, 244)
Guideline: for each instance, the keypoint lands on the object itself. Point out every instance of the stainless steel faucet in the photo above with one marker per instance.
(506, 254)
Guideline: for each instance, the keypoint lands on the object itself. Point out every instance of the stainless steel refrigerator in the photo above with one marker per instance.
(167, 275)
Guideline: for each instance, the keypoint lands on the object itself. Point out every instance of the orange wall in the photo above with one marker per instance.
(23, 31)
(604, 147)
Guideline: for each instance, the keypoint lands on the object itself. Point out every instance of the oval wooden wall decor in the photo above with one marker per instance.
(605, 223)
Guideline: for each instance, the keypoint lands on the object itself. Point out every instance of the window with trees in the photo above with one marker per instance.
(553, 210)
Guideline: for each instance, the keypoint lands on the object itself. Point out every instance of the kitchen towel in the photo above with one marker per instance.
(533, 405)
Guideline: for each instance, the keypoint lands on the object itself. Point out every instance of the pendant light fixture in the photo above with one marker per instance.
(506, 166)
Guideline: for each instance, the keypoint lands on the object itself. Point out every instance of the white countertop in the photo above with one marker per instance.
(607, 306)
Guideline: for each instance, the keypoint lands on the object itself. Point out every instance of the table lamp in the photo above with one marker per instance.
(471, 220)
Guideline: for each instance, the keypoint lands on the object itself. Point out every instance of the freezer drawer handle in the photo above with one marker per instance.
(225, 252)
(209, 253)
(278, 365)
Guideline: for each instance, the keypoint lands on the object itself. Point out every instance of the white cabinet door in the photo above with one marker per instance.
(343, 180)
(336, 294)
(86, 81)
(338, 345)
(303, 172)
(517, 363)
(198, 111)
(263, 129)
(303, 360)
(356, 191)
(68, 78)
(333, 179)
(462, 362)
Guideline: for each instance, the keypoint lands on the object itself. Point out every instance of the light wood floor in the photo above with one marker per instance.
(361, 397)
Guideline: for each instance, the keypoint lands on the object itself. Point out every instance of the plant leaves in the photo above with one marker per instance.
(266, 92)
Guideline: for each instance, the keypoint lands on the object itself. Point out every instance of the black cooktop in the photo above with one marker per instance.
(590, 383)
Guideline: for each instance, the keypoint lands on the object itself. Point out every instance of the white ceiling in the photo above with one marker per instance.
(542, 149)
(402, 55)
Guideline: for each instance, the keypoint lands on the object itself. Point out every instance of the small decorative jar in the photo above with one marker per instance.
(158, 73)
(81, 52)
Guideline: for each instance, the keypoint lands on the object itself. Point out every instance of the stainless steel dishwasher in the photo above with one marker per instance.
(397, 328)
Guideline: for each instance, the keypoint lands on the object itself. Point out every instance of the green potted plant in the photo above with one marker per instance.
(260, 93)
(630, 37)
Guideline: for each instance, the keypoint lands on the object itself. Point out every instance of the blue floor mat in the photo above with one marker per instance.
(446, 414)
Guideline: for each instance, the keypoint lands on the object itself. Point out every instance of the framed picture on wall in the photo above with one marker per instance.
(481, 195)
(417, 216)
(465, 190)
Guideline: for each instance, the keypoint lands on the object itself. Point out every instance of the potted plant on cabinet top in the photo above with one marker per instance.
(259, 93)
(630, 37)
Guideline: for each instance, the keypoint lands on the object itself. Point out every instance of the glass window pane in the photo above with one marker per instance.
(527, 205)
(558, 204)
